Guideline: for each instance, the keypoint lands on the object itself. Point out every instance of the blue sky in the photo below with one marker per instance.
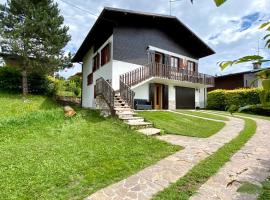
(231, 30)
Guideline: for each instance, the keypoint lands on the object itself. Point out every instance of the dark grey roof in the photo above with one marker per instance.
(112, 17)
(244, 72)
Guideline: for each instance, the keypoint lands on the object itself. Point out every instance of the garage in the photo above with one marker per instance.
(185, 97)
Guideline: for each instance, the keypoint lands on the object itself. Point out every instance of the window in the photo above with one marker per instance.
(106, 54)
(174, 62)
(191, 66)
(96, 62)
(90, 79)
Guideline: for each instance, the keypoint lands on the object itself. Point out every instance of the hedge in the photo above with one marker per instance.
(11, 80)
(223, 99)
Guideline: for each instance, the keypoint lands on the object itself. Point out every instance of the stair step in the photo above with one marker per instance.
(149, 131)
(127, 118)
(120, 109)
(139, 125)
(120, 104)
(132, 119)
(126, 113)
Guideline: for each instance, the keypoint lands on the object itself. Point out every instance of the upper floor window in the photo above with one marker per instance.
(191, 66)
(96, 62)
(106, 54)
(174, 62)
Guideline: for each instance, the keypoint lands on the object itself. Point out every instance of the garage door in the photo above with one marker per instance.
(185, 97)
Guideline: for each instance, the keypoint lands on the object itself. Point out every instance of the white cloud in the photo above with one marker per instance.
(203, 17)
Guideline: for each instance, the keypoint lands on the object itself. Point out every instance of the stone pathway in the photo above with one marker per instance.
(250, 164)
(155, 178)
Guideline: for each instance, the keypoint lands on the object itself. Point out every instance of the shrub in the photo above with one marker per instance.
(256, 109)
(11, 81)
(232, 108)
(216, 100)
(222, 99)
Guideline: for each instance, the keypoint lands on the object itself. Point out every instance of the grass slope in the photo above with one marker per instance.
(204, 114)
(47, 156)
(186, 186)
(173, 123)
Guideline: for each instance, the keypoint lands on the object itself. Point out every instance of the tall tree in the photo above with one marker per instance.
(33, 31)
(217, 2)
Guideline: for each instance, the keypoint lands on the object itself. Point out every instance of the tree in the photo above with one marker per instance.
(217, 2)
(33, 31)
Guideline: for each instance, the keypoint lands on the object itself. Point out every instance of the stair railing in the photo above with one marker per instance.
(104, 89)
(126, 93)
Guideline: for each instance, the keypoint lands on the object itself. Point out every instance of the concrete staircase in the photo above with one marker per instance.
(127, 114)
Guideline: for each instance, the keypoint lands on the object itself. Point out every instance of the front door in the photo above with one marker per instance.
(158, 97)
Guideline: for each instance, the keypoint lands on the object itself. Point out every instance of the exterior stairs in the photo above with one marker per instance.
(127, 114)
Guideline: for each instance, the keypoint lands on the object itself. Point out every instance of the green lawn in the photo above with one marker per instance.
(173, 123)
(204, 114)
(265, 193)
(187, 186)
(47, 156)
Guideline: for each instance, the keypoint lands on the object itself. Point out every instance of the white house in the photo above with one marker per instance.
(154, 57)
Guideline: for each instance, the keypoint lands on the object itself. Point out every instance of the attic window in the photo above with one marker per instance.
(106, 54)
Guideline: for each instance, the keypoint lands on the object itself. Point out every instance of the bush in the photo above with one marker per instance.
(216, 100)
(222, 99)
(232, 108)
(11, 81)
(256, 109)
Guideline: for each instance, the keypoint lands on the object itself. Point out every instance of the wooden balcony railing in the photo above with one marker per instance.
(126, 93)
(104, 89)
(164, 71)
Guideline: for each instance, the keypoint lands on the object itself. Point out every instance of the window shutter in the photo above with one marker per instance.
(196, 67)
(98, 60)
(90, 79)
(181, 65)
(152, 94)
(109, 51)
(165, 96)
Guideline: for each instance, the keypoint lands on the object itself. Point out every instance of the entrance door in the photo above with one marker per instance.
(158, 97)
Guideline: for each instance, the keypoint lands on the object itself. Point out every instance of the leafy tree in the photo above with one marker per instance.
(33, 31)
(218, 2)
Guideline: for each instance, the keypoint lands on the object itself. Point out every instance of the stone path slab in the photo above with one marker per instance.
(250, 164)
(155, 178)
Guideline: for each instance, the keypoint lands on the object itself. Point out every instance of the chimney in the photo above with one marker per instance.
(257, 65)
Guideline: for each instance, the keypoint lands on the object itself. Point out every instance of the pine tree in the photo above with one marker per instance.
(33, 31)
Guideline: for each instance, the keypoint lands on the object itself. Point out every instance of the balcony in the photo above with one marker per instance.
(158, 70)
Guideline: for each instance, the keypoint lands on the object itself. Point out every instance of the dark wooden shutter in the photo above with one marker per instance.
(181, 63)
(196, 67)
(151, 56)
(152, 93)
(98, 61)
(167, 60)
(165, 97)
(109, 52)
